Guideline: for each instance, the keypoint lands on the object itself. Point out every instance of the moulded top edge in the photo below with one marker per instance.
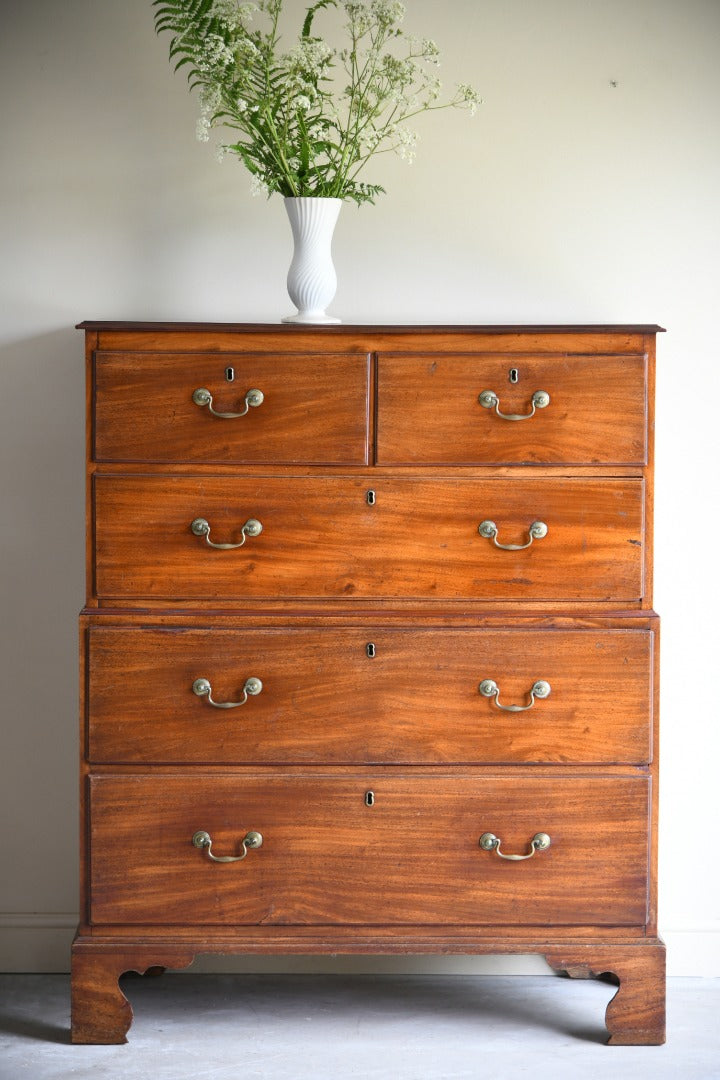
(289, 328)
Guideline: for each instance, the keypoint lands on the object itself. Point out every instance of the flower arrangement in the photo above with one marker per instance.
(307, 121)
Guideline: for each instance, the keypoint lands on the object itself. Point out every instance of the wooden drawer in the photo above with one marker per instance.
(315, 408)
(324, 700)
(321, 539)
(429, 412)
(411, 858)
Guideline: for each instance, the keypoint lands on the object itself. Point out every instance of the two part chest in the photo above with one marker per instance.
(382, 599)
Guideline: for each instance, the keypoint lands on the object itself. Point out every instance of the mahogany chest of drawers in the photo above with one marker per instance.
(369, 661)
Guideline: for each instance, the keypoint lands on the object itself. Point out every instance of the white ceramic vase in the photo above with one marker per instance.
(311, 280)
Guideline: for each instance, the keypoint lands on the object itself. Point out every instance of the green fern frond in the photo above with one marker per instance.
(312, 11)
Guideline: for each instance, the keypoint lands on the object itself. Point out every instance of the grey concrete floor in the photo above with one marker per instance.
(319, 1027)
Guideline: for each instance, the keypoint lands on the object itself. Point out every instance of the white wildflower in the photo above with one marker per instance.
(398, 72)
(387, 12)
(311, 56)
(469, 97)
(209, 99)
(360, 18)
(215, 54)
(369, 140)
(247, 50)
(407, 143)
(423, 49)
(430, 51)
(209, 103)
(258, 186)
(233, 14)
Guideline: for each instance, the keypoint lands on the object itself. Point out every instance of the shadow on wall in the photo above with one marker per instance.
(42, 545)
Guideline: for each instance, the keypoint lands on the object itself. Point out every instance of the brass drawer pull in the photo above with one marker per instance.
(540, 842)
(201, 527)
(250, 841)
(203, 397)
(252, 687)
(489, 400)
(490, 689)
(489, 529)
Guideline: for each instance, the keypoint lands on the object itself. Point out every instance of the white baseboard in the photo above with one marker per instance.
(694, 952)
(36, 942)
(41, 943)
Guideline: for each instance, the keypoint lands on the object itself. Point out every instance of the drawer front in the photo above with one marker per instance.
(429, 409)
(314, 408)
(324, 700)
(413, 857)
(321, 539)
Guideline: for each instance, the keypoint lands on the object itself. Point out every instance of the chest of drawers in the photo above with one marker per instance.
(369, 661)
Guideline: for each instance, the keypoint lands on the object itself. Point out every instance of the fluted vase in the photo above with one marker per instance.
(311, 280)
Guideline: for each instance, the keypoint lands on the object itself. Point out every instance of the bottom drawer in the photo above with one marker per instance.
(412, 857)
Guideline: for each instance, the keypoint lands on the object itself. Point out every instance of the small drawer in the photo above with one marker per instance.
(364, 696)
(411, 857)
(538, 409)
(368, 537)
(158, 407)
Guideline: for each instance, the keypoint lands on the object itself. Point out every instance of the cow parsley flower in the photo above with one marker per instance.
(312, 55)
(360, 18)
(258, 186)
(469, 97)
(214, 55)
(406, 144)
(233, 14)
(387, 12)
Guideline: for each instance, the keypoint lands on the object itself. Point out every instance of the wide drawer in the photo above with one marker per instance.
(348, 695)
(314, 408)
(430, 409)
(359, 537)
(414, 856)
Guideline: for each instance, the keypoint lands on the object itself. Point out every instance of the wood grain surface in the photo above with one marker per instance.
(324, 700)
(315, 408)
(327, 857)
(321, 538)
(429, 413)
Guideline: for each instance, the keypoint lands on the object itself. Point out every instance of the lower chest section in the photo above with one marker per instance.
(380, 772)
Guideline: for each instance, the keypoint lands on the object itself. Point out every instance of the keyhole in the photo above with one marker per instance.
(370, 498)
(514, 374)
(229, 373)
(370, 649)
(369, 798)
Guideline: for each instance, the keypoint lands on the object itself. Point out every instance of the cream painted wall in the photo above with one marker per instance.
(567, 199)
